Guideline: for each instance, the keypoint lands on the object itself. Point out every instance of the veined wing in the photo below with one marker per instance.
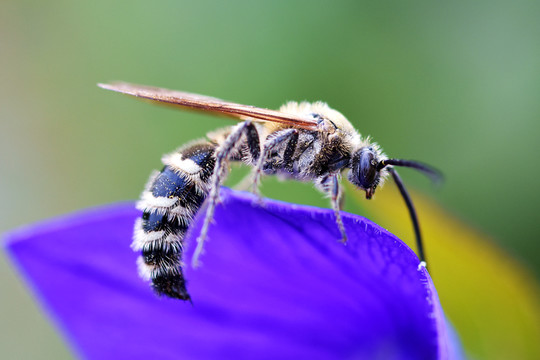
(209, 104)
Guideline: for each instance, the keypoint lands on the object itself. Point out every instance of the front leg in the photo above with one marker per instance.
(329, 184)
(336, 198)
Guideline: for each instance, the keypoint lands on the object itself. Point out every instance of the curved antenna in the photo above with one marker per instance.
(412, 213)
(435, 175)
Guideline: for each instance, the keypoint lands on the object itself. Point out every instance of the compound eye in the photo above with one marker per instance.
(367, 169)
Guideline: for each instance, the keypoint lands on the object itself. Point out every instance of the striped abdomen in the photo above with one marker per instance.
(169, 203)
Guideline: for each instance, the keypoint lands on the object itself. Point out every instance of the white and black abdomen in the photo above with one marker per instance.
(173, 196)
(169, 203)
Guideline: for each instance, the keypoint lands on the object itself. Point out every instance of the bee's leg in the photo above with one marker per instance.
(223, 154)
(289, 135)
(335, 196)
(254, 150)
(341, 201)
(291, 146)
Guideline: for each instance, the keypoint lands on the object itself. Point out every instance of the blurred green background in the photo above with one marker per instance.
(452, 84)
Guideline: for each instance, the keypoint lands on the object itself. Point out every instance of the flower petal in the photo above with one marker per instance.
(274, 283)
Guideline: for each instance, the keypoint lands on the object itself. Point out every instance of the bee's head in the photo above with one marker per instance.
(369, 168)
(365, 172)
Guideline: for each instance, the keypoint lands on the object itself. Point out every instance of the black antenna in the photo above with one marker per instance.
(412, 212)
(435, 175)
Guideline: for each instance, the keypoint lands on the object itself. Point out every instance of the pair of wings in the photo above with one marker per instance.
(209, 104)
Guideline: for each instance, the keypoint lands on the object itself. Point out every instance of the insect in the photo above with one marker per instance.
(302, 141)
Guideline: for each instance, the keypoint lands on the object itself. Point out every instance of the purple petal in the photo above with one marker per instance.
(274, 283)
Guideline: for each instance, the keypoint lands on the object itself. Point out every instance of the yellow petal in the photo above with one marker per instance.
(492, 300)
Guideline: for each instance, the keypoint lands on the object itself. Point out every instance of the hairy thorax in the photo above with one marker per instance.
(316, 154)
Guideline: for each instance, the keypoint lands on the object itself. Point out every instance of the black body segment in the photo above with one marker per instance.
(170, 201)
(170, 184)
(153, 222)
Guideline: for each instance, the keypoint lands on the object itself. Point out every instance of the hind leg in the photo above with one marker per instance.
(223, 154)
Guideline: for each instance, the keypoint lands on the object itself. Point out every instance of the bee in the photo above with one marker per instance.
(302, 141)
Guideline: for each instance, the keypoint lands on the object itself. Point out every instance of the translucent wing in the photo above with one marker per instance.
(210, 104)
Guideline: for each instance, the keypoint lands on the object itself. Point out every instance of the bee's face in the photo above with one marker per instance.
(364, 172)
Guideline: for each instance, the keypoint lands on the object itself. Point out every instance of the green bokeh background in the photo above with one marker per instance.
(452, 84)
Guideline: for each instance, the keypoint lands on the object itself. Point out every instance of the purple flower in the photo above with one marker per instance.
(274, 283)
